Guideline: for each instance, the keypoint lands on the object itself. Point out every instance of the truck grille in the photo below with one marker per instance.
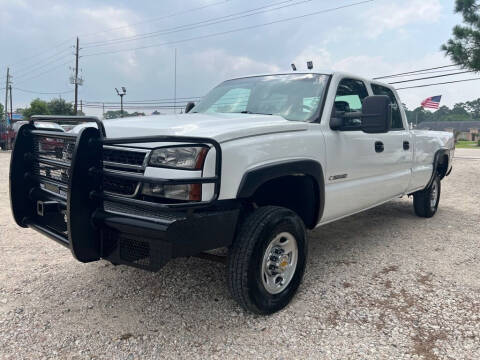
(54, 150)
(61, 149)
(123, 160)
(123, 157)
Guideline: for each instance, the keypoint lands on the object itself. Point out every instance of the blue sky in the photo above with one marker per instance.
(371, 39)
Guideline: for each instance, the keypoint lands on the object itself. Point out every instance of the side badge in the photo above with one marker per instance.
(337, 177)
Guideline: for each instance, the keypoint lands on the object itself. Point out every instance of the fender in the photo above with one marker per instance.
(438, 161)
(254, 178)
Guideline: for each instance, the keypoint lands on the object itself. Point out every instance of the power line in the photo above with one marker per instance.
(431, 77)
(158, 18)
(235, 30)
(217, 20)
(55, 56)
(415, 71)
(426, 72)
(36, 68)
(43, 73)
(44, 93)
(35, 56)
(441, 83)
(108, 103)
(98, 106)
(180, 106)
(142, 101)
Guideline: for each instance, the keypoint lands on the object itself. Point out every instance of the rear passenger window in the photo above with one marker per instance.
(397, 123)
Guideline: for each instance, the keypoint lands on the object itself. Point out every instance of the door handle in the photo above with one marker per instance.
(406, 145)
(379, 146)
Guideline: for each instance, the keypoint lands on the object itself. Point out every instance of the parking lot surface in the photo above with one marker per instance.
(383, 284)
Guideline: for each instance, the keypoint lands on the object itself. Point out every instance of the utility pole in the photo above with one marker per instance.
(81, 107)
(121, 94)
(103, 110)
(11, 104)
(3, 122)
(76, 76)
(7, 85)
(175, 85)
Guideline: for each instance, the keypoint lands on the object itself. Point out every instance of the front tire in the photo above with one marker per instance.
(425, 202)
(267, 260)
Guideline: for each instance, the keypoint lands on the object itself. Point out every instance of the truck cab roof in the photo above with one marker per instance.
(333, 74)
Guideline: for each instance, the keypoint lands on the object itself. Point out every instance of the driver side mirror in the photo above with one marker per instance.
(376, 114)
(189, 107)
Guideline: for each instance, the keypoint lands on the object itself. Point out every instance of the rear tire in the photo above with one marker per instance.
(267, 260)
(425, 202)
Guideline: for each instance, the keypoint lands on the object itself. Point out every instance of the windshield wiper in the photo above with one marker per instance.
(251, 112)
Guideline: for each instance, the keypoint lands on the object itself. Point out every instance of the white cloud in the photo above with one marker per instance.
(396, 15)
(108, 17)
(117, 19)
(224, 65)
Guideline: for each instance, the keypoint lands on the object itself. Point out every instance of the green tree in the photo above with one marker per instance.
(1, 112)
(37, 107)
(464, 47)
(418, 115)
(459, 112)
(473, 107)
(115, 114)
(60, 107)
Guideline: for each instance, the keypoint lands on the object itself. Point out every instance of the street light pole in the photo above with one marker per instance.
(121, 94)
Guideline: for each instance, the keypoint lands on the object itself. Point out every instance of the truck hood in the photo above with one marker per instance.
(221, 127)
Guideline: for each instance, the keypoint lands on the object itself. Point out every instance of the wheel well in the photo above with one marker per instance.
(442, 166)
(298, 193)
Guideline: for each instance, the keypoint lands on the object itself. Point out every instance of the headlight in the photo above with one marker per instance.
(181, 157)
(177, 157)
(192, 192)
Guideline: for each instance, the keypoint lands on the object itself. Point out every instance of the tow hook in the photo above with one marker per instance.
(46, 207)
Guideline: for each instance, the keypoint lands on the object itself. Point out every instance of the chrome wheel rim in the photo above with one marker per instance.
(433, 195)
(279, 263)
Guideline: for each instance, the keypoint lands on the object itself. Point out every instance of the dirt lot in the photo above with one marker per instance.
(382, 284)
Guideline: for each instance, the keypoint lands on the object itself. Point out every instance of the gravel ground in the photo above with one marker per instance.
(384, 284)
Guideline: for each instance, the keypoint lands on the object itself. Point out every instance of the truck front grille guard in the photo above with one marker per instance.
(56, 181)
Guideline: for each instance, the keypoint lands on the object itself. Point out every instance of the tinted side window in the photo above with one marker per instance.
(397, 123)
(350, 92)
(349, 97)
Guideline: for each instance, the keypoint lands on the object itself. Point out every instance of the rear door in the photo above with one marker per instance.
(398, 142)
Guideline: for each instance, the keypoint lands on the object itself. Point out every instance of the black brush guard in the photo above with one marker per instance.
(56, 188)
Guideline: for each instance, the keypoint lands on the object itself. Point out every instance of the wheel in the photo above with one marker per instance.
(425, 202)
(267, 260)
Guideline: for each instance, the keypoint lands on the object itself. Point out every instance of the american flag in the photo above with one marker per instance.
(432, 102)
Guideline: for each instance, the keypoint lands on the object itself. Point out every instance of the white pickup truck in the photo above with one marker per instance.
(252, 166)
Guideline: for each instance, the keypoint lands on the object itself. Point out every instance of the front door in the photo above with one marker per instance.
(363, 169)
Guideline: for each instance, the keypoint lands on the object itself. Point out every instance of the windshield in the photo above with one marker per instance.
(295, 97)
